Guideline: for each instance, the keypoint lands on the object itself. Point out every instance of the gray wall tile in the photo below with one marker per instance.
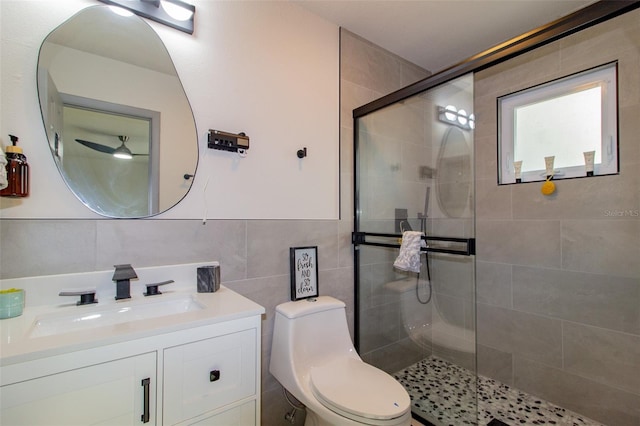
(600, 402)
(496, 364)
(380, 326)
(46, 247)
(451, 309)
(576, 198)
(629, 128)
(493, 201)
(269, 242)
(601, 300)
(171, 242)
(486, 163)
(522, 242)
(524, 71)
(452, 275)
(536, 337)
(371, 66)
(493, 283)
(608, 357)
(395, 357)
(602, 246)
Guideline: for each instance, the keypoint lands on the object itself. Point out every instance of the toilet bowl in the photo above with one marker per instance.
(313, 358)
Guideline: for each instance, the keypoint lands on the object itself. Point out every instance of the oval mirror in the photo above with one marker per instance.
(118, 121)
(454, 174)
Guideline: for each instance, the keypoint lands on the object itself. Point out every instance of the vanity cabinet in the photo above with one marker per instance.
(205, 375)
(107, 393)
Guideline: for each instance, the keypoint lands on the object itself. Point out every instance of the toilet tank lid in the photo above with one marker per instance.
(304, 307)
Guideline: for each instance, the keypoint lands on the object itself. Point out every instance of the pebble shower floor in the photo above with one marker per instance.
(444, 393)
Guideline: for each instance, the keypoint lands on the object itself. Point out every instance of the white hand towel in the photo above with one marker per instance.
(409, 256)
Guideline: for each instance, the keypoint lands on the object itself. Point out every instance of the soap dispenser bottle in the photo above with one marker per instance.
(17, 171)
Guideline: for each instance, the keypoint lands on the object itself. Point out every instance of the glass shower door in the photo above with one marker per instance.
(414, 172)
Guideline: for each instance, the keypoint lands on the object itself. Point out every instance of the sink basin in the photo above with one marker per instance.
(85, 317)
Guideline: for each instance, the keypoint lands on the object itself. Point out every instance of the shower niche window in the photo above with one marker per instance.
(572, 119)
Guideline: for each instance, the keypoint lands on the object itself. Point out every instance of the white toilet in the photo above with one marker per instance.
(313, 358)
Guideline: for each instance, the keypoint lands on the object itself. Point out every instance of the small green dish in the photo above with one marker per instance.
(11, 303)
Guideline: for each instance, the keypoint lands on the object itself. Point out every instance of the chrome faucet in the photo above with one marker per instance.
(121, 276)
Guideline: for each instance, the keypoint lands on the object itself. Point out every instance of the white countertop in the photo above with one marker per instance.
(16, 345)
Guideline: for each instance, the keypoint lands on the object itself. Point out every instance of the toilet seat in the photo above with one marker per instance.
(359, 391)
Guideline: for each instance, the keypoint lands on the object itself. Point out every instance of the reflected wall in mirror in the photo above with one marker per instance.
(454, 174)
(107, 84)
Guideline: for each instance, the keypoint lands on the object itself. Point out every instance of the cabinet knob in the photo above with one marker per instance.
(214, 375)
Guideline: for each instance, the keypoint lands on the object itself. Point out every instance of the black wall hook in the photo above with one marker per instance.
(302, 152)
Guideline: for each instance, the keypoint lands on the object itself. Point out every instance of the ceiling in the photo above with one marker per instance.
(437, 34)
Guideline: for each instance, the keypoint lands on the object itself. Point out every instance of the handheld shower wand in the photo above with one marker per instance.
(423, 216)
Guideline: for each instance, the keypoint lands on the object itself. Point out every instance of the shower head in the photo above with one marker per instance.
(426, 204)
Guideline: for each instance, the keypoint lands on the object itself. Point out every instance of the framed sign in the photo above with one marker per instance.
(304, 272)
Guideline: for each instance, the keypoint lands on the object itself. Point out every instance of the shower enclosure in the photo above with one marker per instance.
(414, 171)
(542, 326)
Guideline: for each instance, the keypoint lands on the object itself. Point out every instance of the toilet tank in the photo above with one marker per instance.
(306, 333)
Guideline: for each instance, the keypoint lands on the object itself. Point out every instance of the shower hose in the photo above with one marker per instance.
(426, 255)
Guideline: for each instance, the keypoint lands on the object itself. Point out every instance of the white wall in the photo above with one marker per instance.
(269, 69)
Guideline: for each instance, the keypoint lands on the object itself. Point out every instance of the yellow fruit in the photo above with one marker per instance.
(548, 188)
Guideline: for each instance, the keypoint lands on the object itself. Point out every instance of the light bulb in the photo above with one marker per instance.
(177, 12)
(122, 155)
(462, 117)
(121, 11)
(451, 116)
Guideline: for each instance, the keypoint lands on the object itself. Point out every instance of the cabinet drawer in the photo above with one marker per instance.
(242, 415)
(208, 374)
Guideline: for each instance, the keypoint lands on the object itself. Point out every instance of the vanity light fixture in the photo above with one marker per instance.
(173, 13)
(457, 117)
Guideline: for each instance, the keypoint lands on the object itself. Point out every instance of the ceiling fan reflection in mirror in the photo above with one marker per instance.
(120, 152)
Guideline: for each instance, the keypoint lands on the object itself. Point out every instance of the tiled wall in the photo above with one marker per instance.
(558, 277)
(367, 73)
(253, 253)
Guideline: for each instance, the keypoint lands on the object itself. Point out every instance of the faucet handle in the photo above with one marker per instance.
(152, 289)
(87, 295)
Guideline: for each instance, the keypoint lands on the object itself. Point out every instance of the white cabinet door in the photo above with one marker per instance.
(206, 375)
(110, 393)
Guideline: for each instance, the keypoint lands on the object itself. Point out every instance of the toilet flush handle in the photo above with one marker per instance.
(214, 375)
